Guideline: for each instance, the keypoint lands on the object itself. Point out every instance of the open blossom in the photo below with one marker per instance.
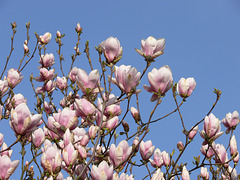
(7, 167)
(166, 158)
(3, 87)
(51, 159)
(122, 177)
(48, 108)
(88, 83)
(7, 152)
(47, 60)
(22, 121)
(158, 175)
(73, 73)
(45, 74)
(16, 100)
(152, 47)
(211, 128)
(126, 78)
(61, 83)
(160, 81)
(207, 151)
(103, 171)
(221, 156)
(146, 149)
(44, 39)
(14, 77)
(120, 153)
(185, 87)
(157, 159)
(231, 120)
(111, 49)
(185, 173)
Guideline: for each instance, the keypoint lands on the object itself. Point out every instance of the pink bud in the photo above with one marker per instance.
(112, 123)
(180, 146)
(59, 34)
(211, 128)
(69, 154)
(111, 49)
(3, 87)
(78, 28)
(73, 73)
(84, 108)
(236, 159)
(146, 149)
(93, 131)
(16, 100)
(126, 78)
(82, 152)
(207, 151)
(84, 141)
(7, 152)
(158, 175)
(38, 137)
(88, 83)
(166, 158)
(120, 153)
(103, 171)
(185, 174)
(47, 108)
(7, 167)
(152, 47)
(135, 114)
(49, 86)
(26, 49)
(47, 60)
(193, 132)
(221, 152)
(204, 173)
(233, 145)
(160, 81)
(113, 110)
(185, 87)
(13, 77)
(44, 39)
(135, 142)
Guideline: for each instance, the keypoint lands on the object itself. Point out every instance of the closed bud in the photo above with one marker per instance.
(180, 146)
(26, 49)
(125, 126)
(135, 114)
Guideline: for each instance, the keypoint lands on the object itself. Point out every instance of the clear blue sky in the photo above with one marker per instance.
(202, 41)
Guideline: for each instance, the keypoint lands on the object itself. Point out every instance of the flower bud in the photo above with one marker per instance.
(180, 146)
(13, 77)
(38, 137)
(135, 114)
(185, 87)
(193, 132)
(185, 174)
(61, 83)
(44, 39)
(26, 49)
(125, 126)
(47, 60)
(69, 154)
(233, 145)
(146, 149)
(204, 173)
(78, 28)
(93, 131)
(58, 34)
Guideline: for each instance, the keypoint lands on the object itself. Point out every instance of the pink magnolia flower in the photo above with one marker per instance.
(7, 167)
(49, 86)
(231, 120)
(206, 150)
(45, 74)
(93, 131)
(3, 87)
(7, 152)
(233, 145)
(221, 156)
(166, 158)
(211, 128)
(66, 118)
(26, 49)
(236, 159)
(185, 87)
(38, 137)
(111, 49)
(233, 176)
(204, 173)
(78, 170)
(82, 151)
(44, 39)
(13, 77)
(122, 177)
(73, 73)
(158, 175)
(135, 114)
(78, 28)
(193, 132)
(103, 171)
(120, 153)
(157, 159)
(151, 47)
(1, 139)
(126, 78)
(51, 159)
(88, 83)
(80, 137)
(22, 121)
(48, 108)
(84, 108)
(61, 83)
(69, 154)
(16, 100)
(185, 173)
(58, 34)
(47, 60)
(112, 123)
(160, 81)
(146, 149)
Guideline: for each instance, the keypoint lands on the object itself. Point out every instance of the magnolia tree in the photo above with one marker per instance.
(84, 135)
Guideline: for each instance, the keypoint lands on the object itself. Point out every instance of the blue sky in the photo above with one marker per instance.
(202, 41)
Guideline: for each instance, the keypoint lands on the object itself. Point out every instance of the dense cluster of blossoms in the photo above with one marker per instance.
(78, 137)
